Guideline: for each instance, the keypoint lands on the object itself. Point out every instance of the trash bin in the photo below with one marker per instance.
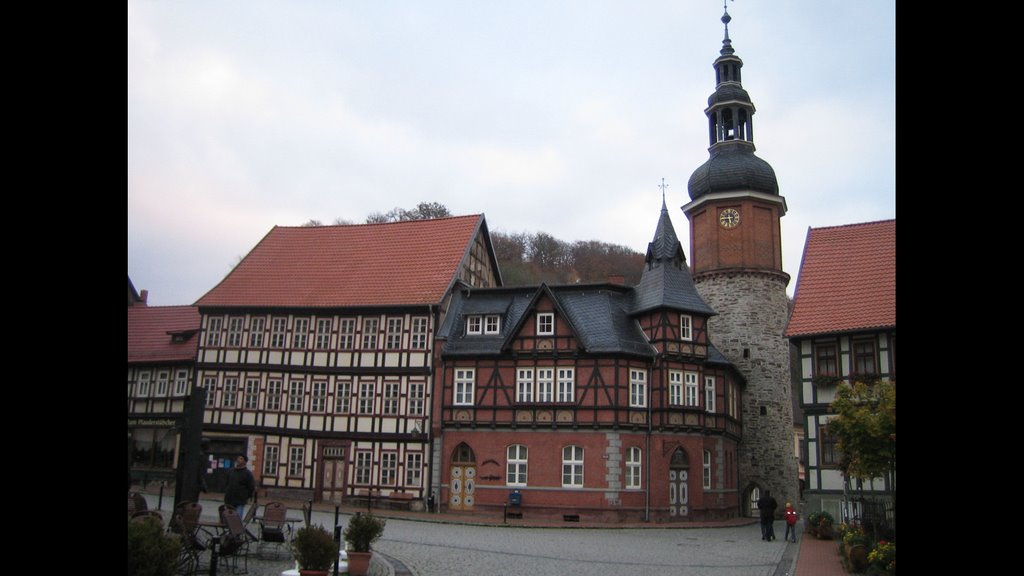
(515, 498)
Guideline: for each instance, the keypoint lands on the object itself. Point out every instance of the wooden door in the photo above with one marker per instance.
(462, 479)
(333, 474)
(678, 485)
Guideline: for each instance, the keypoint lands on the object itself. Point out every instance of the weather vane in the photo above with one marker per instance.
(662, 186)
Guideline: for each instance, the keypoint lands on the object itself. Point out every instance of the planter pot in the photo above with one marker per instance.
(824, 532)
(858, 557)
(359, 563)
(313, 573)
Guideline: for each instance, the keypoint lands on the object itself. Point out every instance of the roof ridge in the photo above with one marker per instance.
(854, 225)
(367, 224)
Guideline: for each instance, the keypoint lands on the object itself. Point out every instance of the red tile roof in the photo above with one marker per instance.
(149, 328)
(847, 280)
(399, 263)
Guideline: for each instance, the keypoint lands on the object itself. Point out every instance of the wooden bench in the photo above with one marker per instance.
(400, 500)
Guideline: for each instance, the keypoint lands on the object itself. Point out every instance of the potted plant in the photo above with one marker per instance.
(362, 531)
(855, 548)
(151, 551)
(315, 550)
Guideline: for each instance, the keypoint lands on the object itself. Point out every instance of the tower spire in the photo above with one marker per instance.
(726, 42)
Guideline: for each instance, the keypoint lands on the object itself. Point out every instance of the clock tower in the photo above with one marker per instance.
(736, 255)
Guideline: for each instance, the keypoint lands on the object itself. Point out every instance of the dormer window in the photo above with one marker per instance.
(478, 324)
(474, 325)
(492, 324)
(685, 327)
(545, 324)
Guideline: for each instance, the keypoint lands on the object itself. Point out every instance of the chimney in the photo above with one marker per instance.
(143, 296)
(617, 279)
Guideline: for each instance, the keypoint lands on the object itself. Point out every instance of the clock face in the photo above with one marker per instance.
(729, 218)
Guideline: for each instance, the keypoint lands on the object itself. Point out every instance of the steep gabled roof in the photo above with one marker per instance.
(666, 281)
(847, 280)
(399, 263)
(162, 333)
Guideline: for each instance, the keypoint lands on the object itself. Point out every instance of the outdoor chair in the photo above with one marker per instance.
(136, 502)
(274, 528)
(144, 515)
(194, 540)
(234, 540)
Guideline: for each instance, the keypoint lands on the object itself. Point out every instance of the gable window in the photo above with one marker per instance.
(709, 393)
(566, 384)
(418, 341)
(545, 324)
(465, 379)
(256, 328)
(572, 467)
(633, 468)
(675, 387)
(685, 327)
(545, 384)
(825, 360)
(864, 357)
(323, 333)
(524, 385)
(213, 328)
(278, 328)
(637, 388)
(301, 334)
(516, 468)
(474, 325)
(707, 469)
(346, 333)
(393, 340)
(370, 333)
(181, 383)
(343, 399)
(235, 331)
(492, 324)
(691, 388)
(274, 395)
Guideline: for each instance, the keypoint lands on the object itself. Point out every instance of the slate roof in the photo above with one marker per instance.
(398, 263)
(666, 280)
(733, 167)
(150, 329)
(847, 280)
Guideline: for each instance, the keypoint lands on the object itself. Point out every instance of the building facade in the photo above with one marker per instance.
(316, 355)
(597, 401)
(844, 327)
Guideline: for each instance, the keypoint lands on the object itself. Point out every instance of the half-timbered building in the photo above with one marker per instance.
(844, 328)
(162, 347)
(316, 354)
(599, 401)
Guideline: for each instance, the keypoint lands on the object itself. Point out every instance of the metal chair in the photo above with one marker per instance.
(194, 541)
(234, 541)
(274, 528)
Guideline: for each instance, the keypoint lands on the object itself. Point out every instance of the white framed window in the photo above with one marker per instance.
(144, 384)
(343, 400)
(709, 393)
(675, 387)
(388, 468)
(417, 396)
(213, 328)
(691, 388)
(250, 399)
(633, 468)
(465, 380)
(230, 397)
(545, 384)
(210, 384)
(707, 469)
(271, 456)
(370, 328)
(346, 333)
(162, 379)
(545, 324)
(492, 324)
(474, 325)
(364, 466)
(566, 385)
(393, 338)
(300, 338)
(278, 332)
(295, 393)
(637, 388)
(391, 397)
(418, 339)
(323, 333)
(235, 327)
(572, 467)
(318, 401)
(685, 327)
(296, 460)
(366, 396)
(181, 383)
(413, 469)
(516, 467)
(524, 385)
(256, 328)
(273, 395)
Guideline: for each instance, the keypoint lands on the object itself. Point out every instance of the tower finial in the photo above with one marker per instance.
(663, 186)
(726, 42)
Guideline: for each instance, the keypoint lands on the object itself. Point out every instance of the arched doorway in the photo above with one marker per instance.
(462, 478)
(678, 485)
(751, 495)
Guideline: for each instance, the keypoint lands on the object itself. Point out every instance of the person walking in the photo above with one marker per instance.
(767, 505)
(790, 516)
(240, 486)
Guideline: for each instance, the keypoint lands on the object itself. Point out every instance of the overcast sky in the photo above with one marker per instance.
(559, 116)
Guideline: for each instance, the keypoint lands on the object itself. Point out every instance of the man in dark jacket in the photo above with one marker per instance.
(240, 486)
(767, 505)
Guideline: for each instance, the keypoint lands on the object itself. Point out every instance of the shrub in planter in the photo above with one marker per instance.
(314, 548)
(151, 552)
(361, 532)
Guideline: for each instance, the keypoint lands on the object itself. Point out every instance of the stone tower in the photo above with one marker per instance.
(736, 255)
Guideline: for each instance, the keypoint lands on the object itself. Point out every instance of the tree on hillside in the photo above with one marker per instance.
(422, 211)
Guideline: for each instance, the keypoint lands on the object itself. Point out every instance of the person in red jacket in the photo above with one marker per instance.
(790, 516)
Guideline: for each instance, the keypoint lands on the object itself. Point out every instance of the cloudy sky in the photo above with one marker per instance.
(559, 116)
